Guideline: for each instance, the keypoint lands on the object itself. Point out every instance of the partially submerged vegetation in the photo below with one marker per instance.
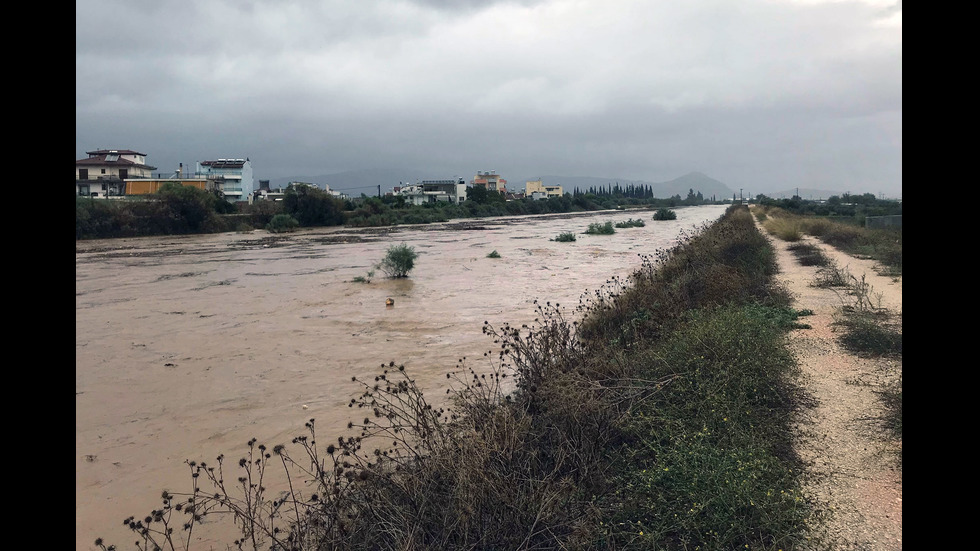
(565, 237)
(600, 228)
(659, 418)
(399, 260)
(631, 223)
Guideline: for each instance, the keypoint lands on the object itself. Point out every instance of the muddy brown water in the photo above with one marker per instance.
(187, 347)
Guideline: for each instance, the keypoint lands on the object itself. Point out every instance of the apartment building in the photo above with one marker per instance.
(489, 180)
(233, 177)
(536, 189)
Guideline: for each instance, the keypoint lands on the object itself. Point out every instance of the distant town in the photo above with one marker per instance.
(119, 173)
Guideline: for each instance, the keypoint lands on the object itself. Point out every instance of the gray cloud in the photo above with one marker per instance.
(764, 95)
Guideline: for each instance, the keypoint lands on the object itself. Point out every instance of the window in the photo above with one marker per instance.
(83, 174)
(103, 171)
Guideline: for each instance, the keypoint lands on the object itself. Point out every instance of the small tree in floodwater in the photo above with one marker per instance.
(398, 261)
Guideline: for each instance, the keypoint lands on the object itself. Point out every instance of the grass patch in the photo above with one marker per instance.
(364, 278)
(785, 228)
(808, 254)
(870, 334)
(711, 461)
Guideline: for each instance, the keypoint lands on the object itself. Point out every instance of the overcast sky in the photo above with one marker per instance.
(763, 95)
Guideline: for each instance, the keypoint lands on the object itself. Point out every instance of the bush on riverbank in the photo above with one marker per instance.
(282, 223)
(657, 420)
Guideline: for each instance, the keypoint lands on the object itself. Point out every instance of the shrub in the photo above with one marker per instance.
(596, 228)
(398, 261)
(870, 334)
(565, 236)
(665, 214)
(282, 223)
(808, 255)
(494, 254)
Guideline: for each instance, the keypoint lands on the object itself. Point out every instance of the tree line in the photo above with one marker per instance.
(177, 209)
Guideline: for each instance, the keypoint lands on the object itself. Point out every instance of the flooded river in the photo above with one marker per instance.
(187, 347)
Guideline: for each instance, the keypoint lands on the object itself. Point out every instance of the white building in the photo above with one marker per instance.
(101, 174)
(233, 177)
(430, 191)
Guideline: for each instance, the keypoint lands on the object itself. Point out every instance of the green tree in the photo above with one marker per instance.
(477, 194)
(311, 206)
(191, 210)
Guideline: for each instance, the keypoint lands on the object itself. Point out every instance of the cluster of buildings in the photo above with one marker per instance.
(109, 173)
(121, 172)
(454, 189)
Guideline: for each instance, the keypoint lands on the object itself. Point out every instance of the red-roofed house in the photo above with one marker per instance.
(103, 172)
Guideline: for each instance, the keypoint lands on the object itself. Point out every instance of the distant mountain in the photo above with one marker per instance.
(356, 182)
(709, 187)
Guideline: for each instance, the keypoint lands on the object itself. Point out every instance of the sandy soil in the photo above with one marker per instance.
(854, 465)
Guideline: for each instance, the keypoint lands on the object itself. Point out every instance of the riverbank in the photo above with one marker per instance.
(675, 408)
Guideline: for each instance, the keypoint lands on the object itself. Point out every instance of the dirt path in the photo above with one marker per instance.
(854, 464)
